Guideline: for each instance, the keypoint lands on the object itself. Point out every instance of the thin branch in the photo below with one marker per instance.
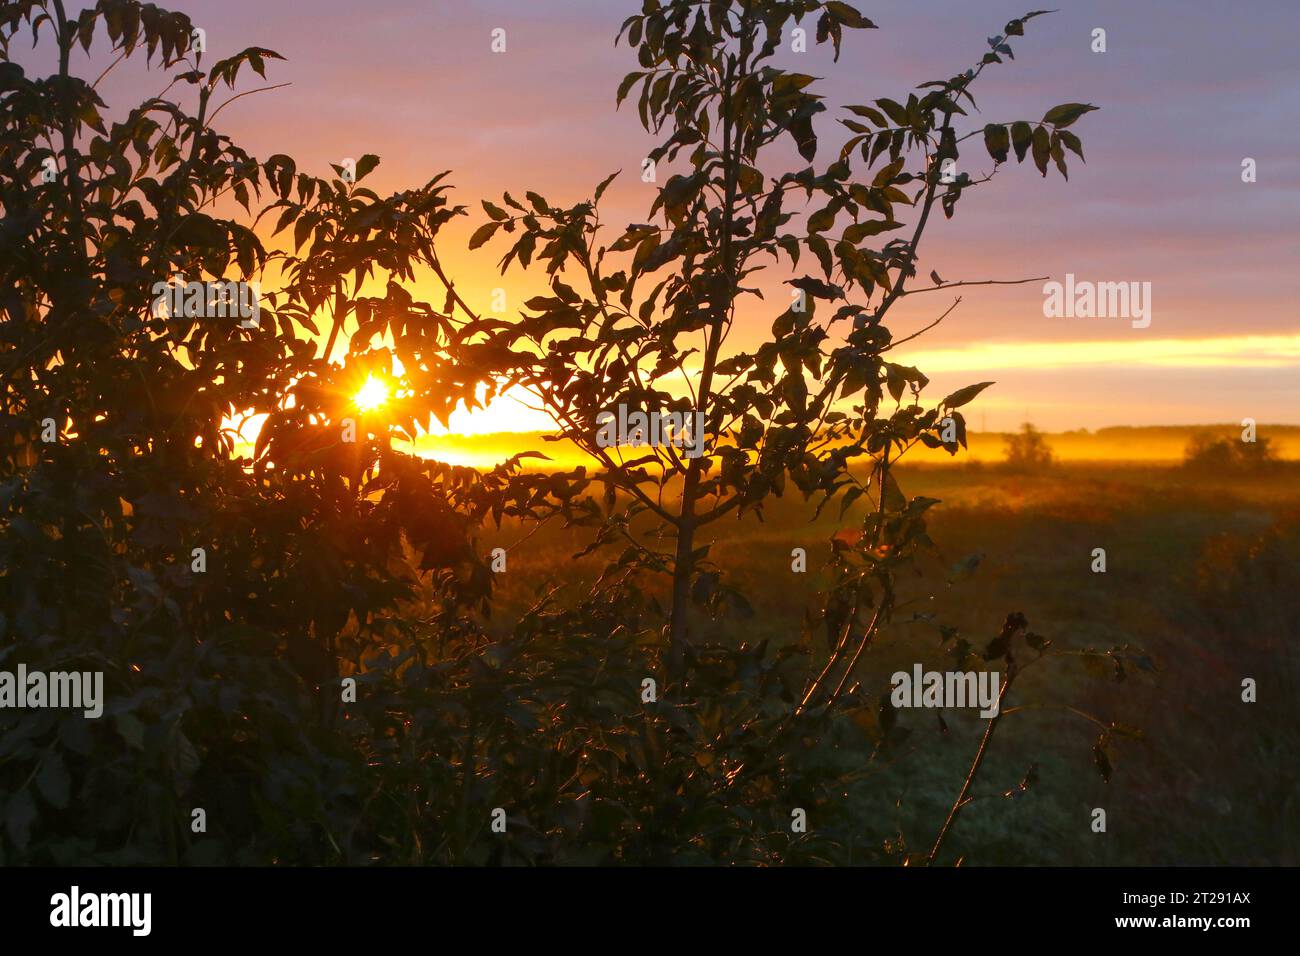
(260, 89)
(898, 342)
(120, 57)
(953, 285)
(974, 770)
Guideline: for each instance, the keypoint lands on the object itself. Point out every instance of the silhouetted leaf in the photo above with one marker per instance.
(997, 140)
(483, 233)
(54, 782)
(964, 395)
(1065, 114)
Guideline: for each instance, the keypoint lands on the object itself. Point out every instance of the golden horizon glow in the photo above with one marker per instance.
(515, 411)
(1238, 351)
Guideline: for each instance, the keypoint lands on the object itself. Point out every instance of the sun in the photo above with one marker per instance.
(371, 395)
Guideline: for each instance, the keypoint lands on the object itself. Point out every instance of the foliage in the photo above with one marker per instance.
(325, 558)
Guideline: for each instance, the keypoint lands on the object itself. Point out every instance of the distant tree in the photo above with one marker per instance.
(1027, 450)
(1208, 453)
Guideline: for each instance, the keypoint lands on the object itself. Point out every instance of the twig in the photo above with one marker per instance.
(963, 796)
(953, 285)
(898, 342)
(260, 89)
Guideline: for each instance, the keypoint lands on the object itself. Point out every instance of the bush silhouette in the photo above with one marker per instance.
(298, 643)
(1027, 451)
(1206, 453)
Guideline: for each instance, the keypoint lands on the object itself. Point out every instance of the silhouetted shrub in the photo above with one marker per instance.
(1207, 453)
(1027, 450)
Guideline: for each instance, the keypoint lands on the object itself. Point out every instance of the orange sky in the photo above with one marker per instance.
(1183, 99)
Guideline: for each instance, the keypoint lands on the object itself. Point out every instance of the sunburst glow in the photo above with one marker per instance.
(371, 395)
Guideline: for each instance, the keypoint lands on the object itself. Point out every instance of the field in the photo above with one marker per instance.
(1202, 574)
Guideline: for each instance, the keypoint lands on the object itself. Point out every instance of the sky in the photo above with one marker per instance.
(1187, 90)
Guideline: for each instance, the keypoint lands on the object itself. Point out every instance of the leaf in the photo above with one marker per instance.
(54, 782)
(880, 145)
(1102, 761)
(822, 250)
(704, 585)
(495, 211)
(997, 140)
(997, 648)
(529, 454)
(895, 381)
(20, 814)
(131, 729)
(822, 219)
(74, 734)
(1058, 155)
(1065, 114)
(366, 165)
(1071, 142)
(963, 395)
(1042, 149)
(866, 111)
(185, 757)
(600, 190)
(625, 87)
(886, 175)
(804, 137)
(872, 227)
(895, 111)
(290, 213)
(895, 500)
(848, 16)
(817, 287)
(483, 233)
(300, 230)
(850, 496)
(1022, 134)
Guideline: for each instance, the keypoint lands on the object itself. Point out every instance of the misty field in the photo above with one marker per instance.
(1203, 575)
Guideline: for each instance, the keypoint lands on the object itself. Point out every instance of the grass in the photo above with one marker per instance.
(1192, 577)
